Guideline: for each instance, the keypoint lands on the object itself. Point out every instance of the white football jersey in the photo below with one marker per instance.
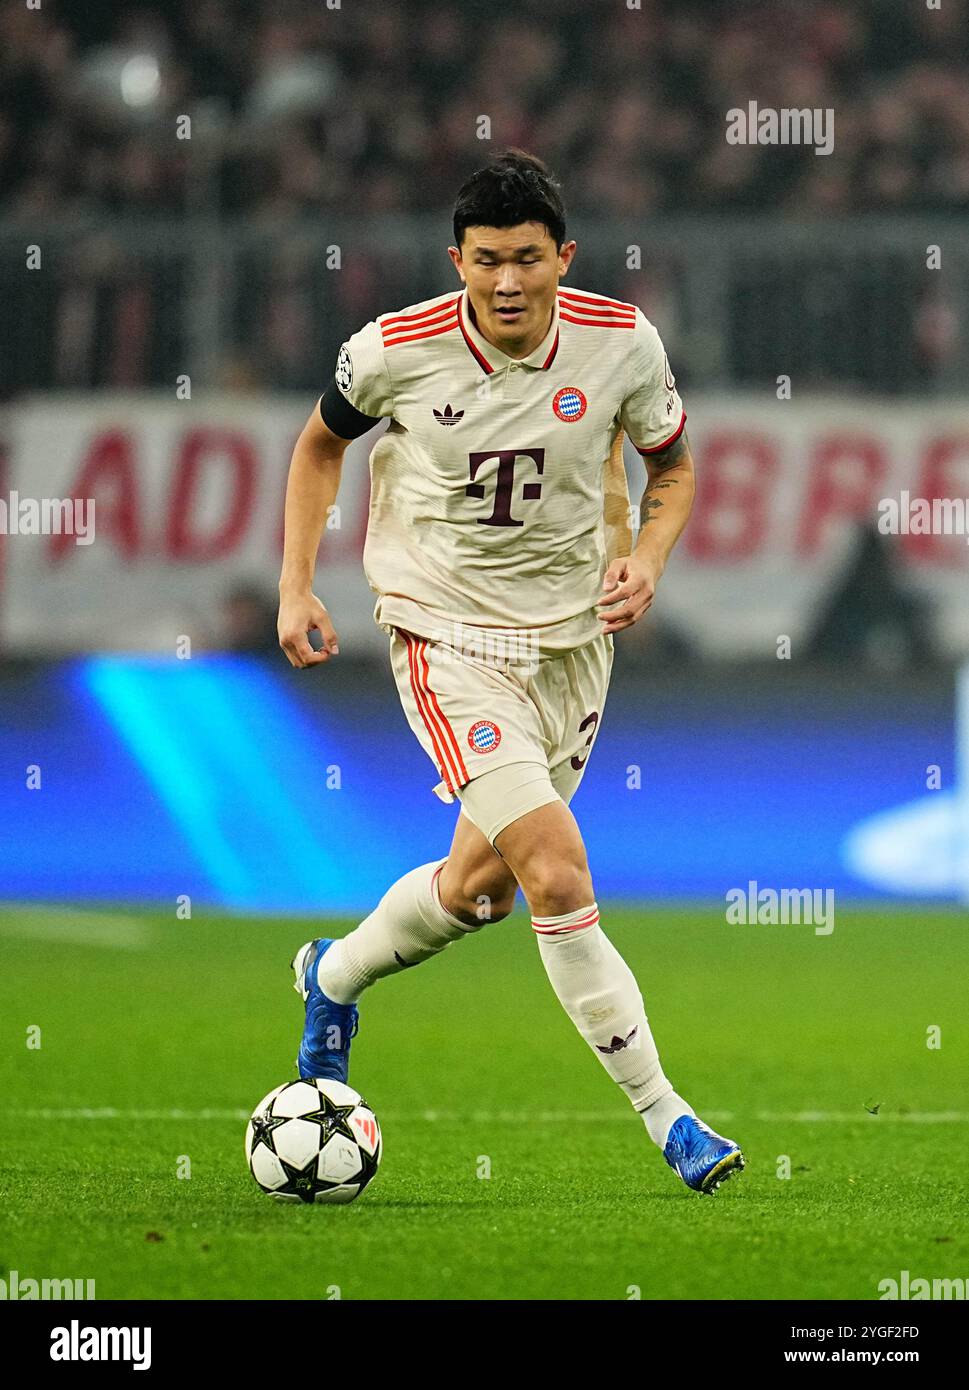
(498, 494)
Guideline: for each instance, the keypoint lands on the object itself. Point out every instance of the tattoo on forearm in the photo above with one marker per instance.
(676, 453)
(650, 503)
(647, 507)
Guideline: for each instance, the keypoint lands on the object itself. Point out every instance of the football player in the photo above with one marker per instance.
(499, 548)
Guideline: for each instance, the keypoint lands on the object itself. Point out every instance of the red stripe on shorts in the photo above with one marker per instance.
(423, 711)
(450, 742)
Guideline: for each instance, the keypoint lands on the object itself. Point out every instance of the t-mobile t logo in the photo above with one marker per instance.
(505, 483)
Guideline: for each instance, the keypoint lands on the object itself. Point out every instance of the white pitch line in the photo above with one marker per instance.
(521, 1117)
(109, 1113)
(69, 926)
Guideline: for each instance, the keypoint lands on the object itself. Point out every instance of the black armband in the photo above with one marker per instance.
(343, 418)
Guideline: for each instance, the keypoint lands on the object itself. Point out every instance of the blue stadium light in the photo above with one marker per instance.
(229, 755)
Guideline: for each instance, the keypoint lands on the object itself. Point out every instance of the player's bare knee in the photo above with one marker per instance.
(477, 889)
(477, 898)
(484, 898)
(498, 905)
(491, 910)
(554, 885)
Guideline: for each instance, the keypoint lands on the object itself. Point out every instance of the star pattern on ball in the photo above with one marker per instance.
(332, 1118)
(263, 1126)
(301, 1182)
(328, 1163)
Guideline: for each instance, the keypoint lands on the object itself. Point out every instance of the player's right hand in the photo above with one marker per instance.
(298, 617)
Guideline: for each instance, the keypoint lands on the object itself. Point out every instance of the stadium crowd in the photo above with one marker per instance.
(280, 126)
(306, 105)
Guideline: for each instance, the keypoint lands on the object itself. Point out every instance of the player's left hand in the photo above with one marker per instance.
(628, 588)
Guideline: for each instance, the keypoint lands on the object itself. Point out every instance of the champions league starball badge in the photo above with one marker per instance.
(344, 369)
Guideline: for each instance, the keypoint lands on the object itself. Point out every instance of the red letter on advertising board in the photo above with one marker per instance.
(844, 471)
(730, 518)
(200, 449)
(107, 476)
(939, 479)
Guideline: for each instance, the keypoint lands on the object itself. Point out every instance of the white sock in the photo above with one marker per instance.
(599, 993)
(408, 925)
(660, 1117)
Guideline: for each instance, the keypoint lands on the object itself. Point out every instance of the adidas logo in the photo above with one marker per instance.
(447, 416)
(618, 1043)
(368, 1128)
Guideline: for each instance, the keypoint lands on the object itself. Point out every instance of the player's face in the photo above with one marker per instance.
(512, 274)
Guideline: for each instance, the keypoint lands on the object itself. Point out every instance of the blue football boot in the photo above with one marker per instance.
(325, 1047)
(701, 1158)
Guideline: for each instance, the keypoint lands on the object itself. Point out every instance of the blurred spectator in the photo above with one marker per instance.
(374, 106)
(307, 120)
(872, 617)
(249, 621)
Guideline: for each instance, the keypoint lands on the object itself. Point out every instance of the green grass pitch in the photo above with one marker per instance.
(780, 1038)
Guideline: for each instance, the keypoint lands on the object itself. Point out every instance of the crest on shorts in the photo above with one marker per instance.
(569, 403)
(484, 737)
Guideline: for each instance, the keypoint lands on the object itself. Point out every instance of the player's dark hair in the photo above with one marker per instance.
(515, 187)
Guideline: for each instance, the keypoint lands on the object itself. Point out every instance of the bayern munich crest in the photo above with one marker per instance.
(484, 737)
(569, 403)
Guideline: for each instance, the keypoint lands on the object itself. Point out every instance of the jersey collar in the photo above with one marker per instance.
(491, 359)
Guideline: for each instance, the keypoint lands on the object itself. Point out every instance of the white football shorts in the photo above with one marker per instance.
(474, 714)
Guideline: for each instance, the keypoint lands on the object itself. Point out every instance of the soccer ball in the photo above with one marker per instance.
(313, 1141)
